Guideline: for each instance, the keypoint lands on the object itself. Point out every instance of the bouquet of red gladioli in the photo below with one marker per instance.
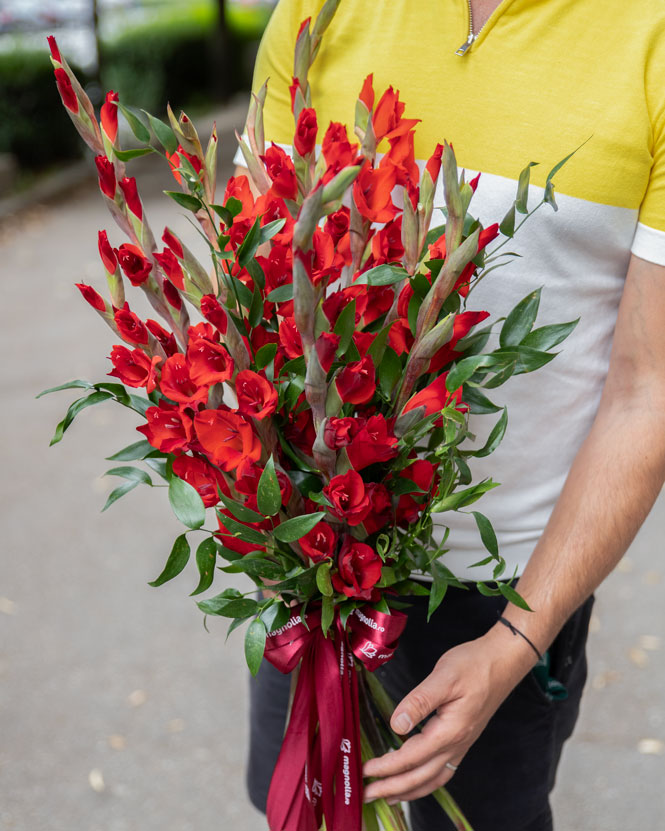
(319, 408)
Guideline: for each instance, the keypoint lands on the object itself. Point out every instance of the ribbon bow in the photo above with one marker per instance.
(319, 770)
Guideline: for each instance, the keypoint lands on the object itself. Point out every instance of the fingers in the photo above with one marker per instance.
(414, 752)
(419, 703)
(413, 784)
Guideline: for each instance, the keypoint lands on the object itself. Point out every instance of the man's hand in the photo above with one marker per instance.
(464, 691)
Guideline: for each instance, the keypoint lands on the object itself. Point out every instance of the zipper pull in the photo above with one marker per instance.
(464, 48)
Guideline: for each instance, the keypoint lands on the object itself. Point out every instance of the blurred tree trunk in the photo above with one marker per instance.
(222, 56)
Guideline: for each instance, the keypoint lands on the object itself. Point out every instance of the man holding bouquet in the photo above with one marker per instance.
(584, 456)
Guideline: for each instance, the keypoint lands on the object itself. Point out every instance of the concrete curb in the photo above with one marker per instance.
(57, 184)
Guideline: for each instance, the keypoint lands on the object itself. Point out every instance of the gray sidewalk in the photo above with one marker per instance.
(118, 712)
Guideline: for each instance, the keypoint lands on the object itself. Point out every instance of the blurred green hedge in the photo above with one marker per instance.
(175, 59)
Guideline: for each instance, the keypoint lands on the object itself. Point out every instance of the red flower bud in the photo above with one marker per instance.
(281, 171)
(359, 569)
(130, 326)
(433, 165)
(106, 172)
(170, 239)
(109, 116)
(66, 90)
(339, 432)
(305, 137)
(93, 297)
(172, 295)
(367, 92)
(107, 253)
(214, 312)
(293, 89)
(356, 383)
(128, 187)
(166, 339)
(326, 346)
(257, 397)
(135, 266)
(171, 267)
(55, 51)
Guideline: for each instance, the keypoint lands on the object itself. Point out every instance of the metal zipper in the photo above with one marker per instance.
(468, 43)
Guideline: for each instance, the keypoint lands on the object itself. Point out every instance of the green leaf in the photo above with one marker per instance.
(323, 582)
(327, 613)
(547, 337)
(507, 226)
(520, 321)
(381, 275)
(185, 200)
(281, 294)
(249, 245)
(548, 198)
(478, 403)
(165, 135)
(525, 359)
(178, 559)
(243, 532)
(240, 511)
(128, 155)
(75, 409)
(78, 384)
(345, 327)
(523, 189)
(255, 644)
(255, 312)
(206, 555)
(487, 534)
(495, 437)
(292, 530)
(134, 474)
(439, 588)
(139, 404)
(186, 503)
(116, 493)
(233, 205)
(132, 453)
(510, 594)
(159, 465)
(460, 499)
(256, 568)
(464, 369)
(268, 231)
(377, 348)
(136, 125)
(265, 355)
(390, 371)
(241, 607)
(268, 494)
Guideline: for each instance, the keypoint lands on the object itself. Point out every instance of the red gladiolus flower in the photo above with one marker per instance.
(209, 362)
(367, 92)
(171, 267)
(359, 569)
(53, 46)
(203, 330)
(166, 339)
(473, 184)
(93, 297)
(109, 116)
(300, 431)
(290, 339)
(381, 502)
(400, 337)
(373, 443)
(293, 89)
(387, 119)
(202, 476)
(128, 187)
(227, 438)
(305, 137)
(356, 383)
(212, 311)
(177, 384)
(271, 208)
(337, 150)
(434, 397)
(134, 368)
(349, 497)
(433, 165)
(319, 543)
(256, 395)
(66, 90)
(326, 263)
(107, 253)
(326, 347)
(106, 173)
(387, 243)
(337, 224)
(134, 265)
(372, 191)
(421, 472)
(339, 432)
(172, 295)
(281, 171)
(168, 428)
(402, 157)
(462, 325)
(175, 161)
(130, 326)
(170, 239)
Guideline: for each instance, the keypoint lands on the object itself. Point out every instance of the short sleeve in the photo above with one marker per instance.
(649, 240)
(274, 63)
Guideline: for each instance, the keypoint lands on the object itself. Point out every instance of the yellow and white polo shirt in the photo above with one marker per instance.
(541, 78)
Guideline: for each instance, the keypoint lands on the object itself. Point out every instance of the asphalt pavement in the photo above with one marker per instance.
(118, 711)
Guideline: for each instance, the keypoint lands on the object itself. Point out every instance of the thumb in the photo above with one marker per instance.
(419, 703)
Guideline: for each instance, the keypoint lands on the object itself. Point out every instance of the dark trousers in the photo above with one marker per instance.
(504, 781)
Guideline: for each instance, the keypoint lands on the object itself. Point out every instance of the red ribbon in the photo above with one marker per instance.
(319, 769)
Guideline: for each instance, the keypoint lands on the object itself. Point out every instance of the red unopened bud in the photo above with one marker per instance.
(170, 239)
(128, 186)
(53, 46)
(305, 137)
(107, 253)
(171, 267)
(212, 311)
(172, 295)
(107, 182)
(66, 91)
(433, 166)
(93, 297)
(367, 92)
(473, 184)
(135, 266)
(109, 116)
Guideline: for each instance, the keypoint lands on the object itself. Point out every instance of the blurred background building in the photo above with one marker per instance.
(195, 54)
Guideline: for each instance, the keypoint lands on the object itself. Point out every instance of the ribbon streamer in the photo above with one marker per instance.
(319, 770)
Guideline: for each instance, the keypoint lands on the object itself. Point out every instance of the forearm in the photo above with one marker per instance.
(612, 485)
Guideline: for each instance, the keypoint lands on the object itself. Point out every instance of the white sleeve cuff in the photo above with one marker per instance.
(649, 244)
